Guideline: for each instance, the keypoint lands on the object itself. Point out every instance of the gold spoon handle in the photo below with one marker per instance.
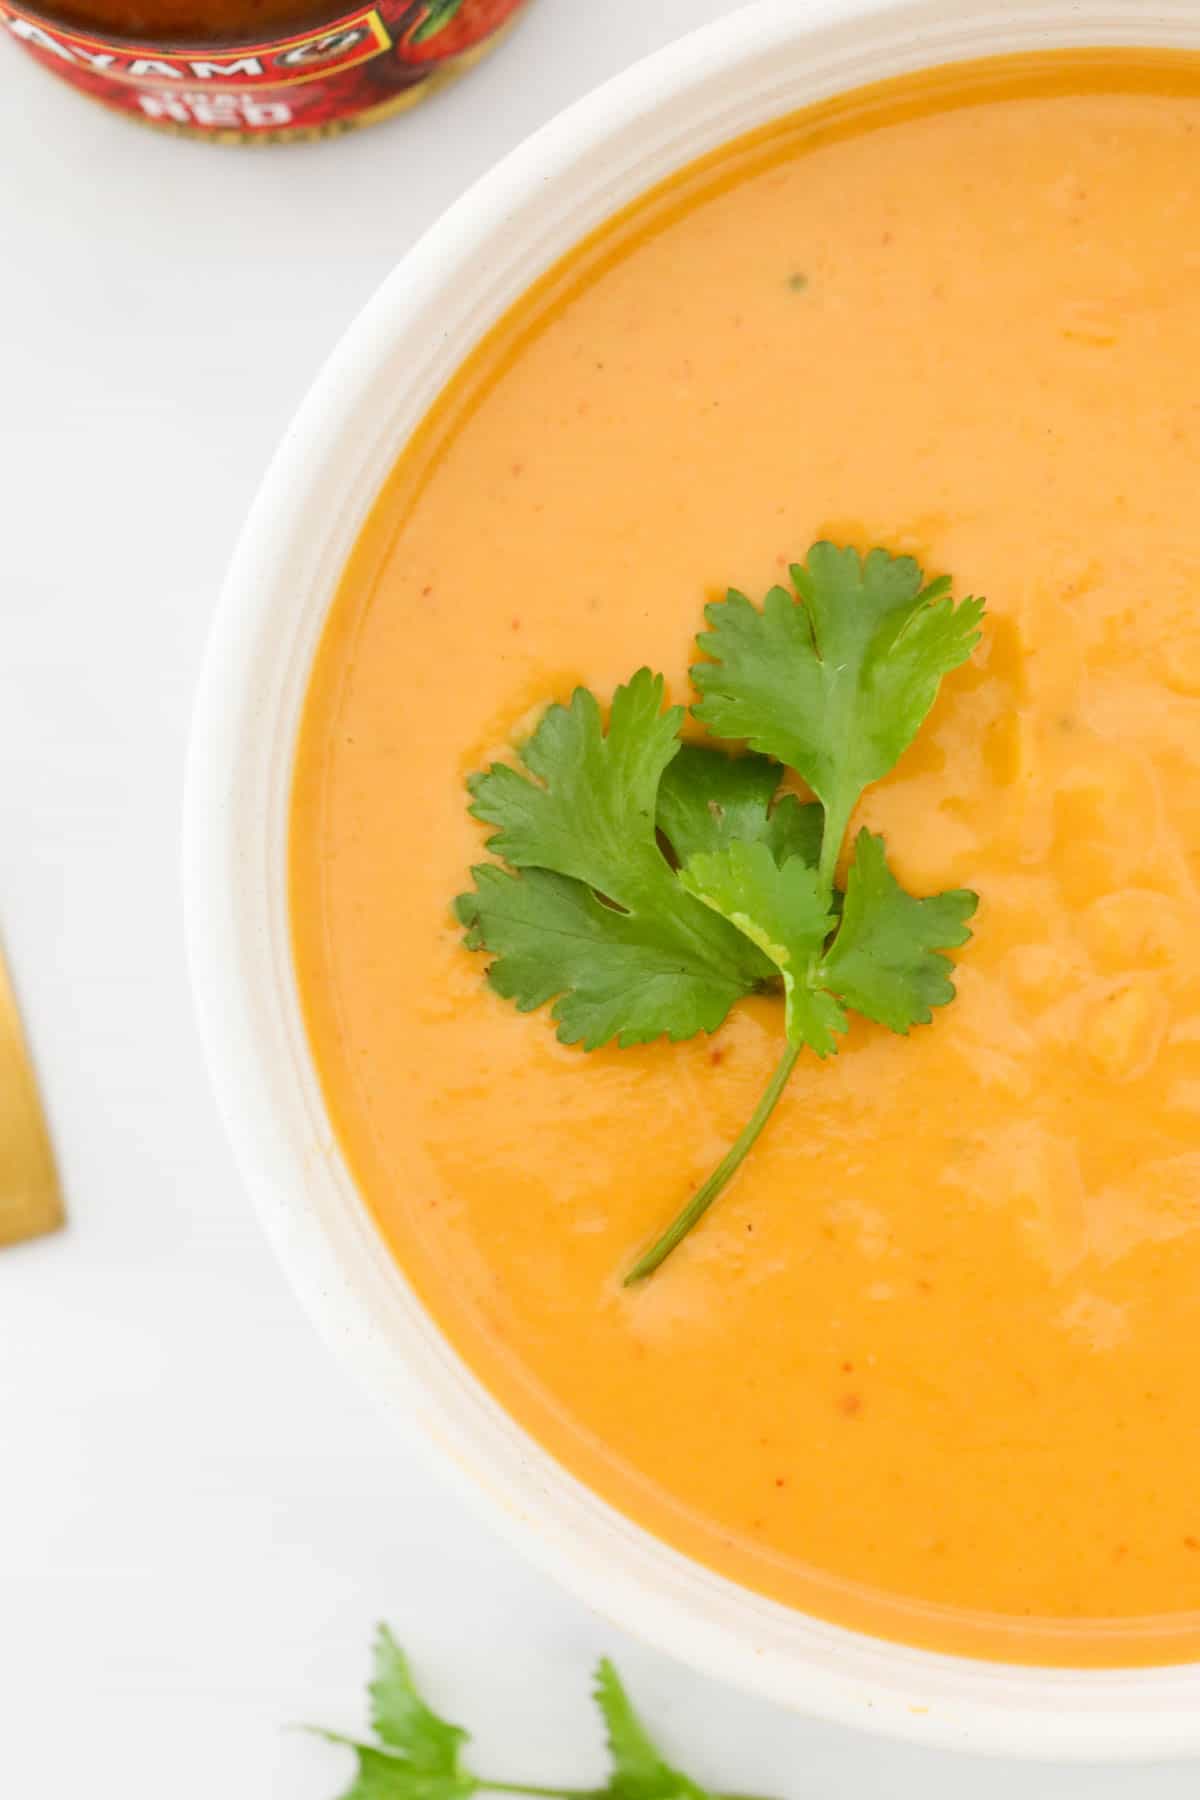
(30, 1199)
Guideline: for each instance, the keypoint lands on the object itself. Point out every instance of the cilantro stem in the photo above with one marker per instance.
(724, 1172)
(553, 1793)
(542, 1793)
(836, 821)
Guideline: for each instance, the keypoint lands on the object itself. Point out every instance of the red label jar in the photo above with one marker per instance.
(246, 71)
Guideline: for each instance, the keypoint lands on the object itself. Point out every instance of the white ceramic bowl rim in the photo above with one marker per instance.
(391, 363)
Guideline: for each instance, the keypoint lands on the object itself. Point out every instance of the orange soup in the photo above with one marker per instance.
(927, 1367)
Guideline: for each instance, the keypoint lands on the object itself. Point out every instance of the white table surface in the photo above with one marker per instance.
(201, 1517)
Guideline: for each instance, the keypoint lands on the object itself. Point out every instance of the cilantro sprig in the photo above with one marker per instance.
(419, 1756)
(652, 883)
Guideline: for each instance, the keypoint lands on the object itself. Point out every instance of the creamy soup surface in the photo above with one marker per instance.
(928, 1368)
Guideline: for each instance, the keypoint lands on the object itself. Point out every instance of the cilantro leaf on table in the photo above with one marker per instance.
(403, 1721)
(594, 917)
(785, 911)
(638, 1769)
(419, 1754)
(383, 1776)
(708, 800)
(836, 682)
(885, 961)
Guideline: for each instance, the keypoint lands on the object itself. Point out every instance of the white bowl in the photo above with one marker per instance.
(389, 366)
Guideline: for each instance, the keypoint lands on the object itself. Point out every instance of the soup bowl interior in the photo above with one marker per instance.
(394, 359)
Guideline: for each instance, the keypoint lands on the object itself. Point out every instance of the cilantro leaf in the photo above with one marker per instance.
(787, 914)
(419, 1757)
(589, 811)
(885, 960)
(385, 1776)
(708, 800)
(638, 1770)
(835, 683)
(628, 977)
(595, 919)
(421, 1760)
(403, 1721)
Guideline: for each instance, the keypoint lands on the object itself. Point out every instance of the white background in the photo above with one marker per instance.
(201, 1517)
